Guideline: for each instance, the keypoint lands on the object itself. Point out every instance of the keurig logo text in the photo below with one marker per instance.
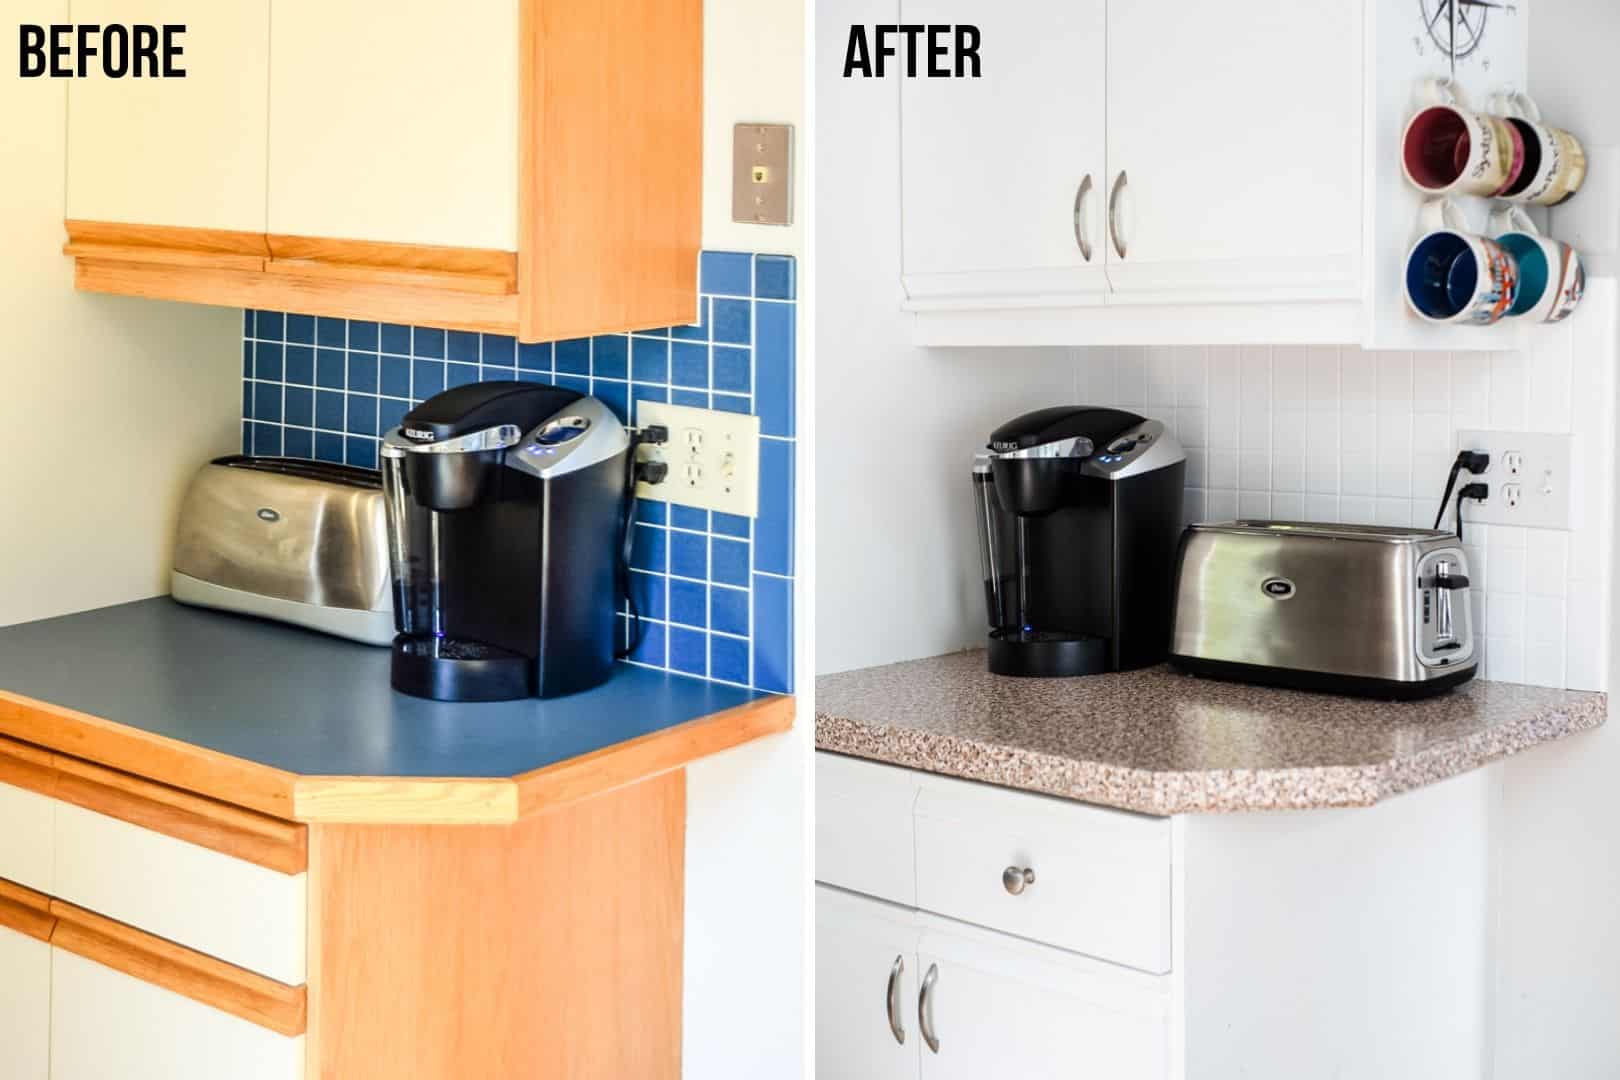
(932, 51)
(117, 51)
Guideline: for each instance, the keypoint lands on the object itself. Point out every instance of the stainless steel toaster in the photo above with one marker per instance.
(304, 542)
(1355, 609)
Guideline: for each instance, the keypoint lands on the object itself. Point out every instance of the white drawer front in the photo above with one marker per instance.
(25, 838)
(1101, 877)
(242, 913)
(864, 831)
(105, 1024)
(25, 1007)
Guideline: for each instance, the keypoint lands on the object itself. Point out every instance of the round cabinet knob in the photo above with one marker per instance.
(1017, 878)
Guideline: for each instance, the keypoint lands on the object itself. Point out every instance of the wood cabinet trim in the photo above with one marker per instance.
(475, 270)
(26, 911)
(27, 767)
(165, 244)
(659, 752)
(244, 994)
(242, 834)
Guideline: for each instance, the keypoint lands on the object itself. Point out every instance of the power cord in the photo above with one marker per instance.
(651, 472)
(1475, 462)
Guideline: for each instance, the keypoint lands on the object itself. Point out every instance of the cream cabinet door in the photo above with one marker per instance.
(1002, 175)
(1234, 151)
(395, 120)
(106, 1024)
(25, 1007)
(175, 151)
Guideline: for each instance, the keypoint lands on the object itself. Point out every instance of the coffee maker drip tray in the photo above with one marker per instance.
(456, 669)
(1046, 653)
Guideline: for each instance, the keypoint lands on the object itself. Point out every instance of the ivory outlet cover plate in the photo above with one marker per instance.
(713, 458)
(1537, 465)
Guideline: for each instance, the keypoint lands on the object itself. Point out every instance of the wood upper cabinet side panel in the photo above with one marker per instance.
(464, 951)
(184, 152)
(396, 120)
(242, 993)
(612, 164)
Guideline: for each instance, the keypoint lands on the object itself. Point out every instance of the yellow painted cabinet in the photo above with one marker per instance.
(186, 152)
(395, 120)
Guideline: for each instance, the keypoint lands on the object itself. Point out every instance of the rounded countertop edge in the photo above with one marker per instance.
(1164, 793)
(382, 800)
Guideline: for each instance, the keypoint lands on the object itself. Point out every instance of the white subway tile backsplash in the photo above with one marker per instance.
(1324, 433)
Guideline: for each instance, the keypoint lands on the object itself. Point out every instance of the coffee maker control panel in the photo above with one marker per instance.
(1140, 449)
(584, 434)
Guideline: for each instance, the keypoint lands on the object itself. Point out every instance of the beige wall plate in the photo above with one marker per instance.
(713, 458)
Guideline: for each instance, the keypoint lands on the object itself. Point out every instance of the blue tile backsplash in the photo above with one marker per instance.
(715, 591)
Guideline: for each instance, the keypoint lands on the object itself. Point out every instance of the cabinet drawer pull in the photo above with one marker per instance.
(925, 1008)
(1082, 217)
(1016, 879)
(1116, 227)
(891, 1001)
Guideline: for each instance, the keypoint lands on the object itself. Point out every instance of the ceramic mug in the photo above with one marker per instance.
(1554, 160)
(1551, 276)
(1448, 149)
(1456, 276)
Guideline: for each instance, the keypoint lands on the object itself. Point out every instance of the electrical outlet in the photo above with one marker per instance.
(713, 458)
(1529, 477)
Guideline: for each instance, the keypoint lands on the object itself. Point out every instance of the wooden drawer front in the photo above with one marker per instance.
(107, 1024)
(1102, 877)
(864, 833)
(25, 1006)
(240, 912)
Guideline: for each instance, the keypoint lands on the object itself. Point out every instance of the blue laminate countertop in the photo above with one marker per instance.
(310, 704)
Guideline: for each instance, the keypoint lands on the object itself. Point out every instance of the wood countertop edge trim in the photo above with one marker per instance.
(25, 911)
(142, 754)
(241, 993)
(652, 754)
(291, 797)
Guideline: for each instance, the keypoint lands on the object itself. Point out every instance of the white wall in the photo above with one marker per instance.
(109, 404)
(747, 890)
(1559, 957)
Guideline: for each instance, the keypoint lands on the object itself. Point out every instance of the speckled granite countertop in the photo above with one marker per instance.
(1161, 742)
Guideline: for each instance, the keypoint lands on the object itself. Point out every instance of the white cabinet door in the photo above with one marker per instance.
(106, 1024)
(395, 120)
(25, 1007)
(992, 168)
(998, 1006)
(866, 989)
(1237, 127)
(175, 151)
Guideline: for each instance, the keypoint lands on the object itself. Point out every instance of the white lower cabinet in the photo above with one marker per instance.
(105, 1025)
(902, 993)
(25, 1007)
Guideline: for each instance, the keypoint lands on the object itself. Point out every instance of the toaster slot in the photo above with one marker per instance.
(1445, 636)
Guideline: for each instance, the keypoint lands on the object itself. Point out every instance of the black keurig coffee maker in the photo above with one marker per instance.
(506, 505)
(1080, 511)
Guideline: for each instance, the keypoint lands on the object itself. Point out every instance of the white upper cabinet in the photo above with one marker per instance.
(25, 1007)
(174, 151)
(1003, 175)
(1234, 151)
(417, 142)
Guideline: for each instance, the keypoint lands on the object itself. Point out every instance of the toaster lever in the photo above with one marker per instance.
(1447, 581)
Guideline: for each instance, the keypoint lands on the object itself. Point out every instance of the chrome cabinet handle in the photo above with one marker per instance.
(1082, 217)
(925, 1008)
(891, 1001)
(1016, 879)
(1116, 228)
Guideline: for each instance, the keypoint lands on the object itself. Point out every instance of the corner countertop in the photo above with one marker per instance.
(1161, 742)
(305, 727)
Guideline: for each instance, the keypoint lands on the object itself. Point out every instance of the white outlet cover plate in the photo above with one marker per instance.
(1547, 463)
(713, 458)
